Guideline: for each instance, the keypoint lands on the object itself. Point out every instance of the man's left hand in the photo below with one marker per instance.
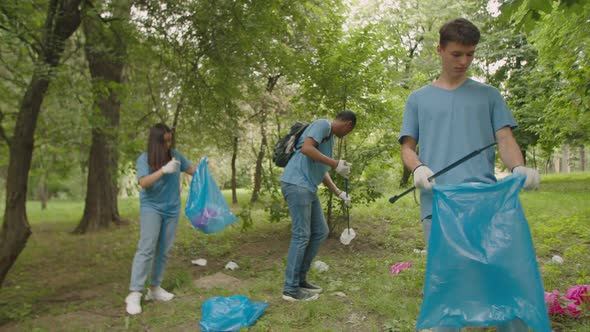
(532, 176)
(345, 197)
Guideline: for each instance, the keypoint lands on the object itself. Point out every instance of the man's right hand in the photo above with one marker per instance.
(171, 167)
(343, 168)
(421, 175)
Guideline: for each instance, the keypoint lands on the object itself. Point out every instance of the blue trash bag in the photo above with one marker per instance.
(230, 313)
(206, 207)
(481, 269)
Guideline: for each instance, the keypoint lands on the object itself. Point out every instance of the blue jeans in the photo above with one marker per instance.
(152, 244)
(515, 325)
(308, 232)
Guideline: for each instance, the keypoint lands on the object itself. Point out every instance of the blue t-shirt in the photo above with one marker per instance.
(306, 172)
(164, 195)
(449, 124)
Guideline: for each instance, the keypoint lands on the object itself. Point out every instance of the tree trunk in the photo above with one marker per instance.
(259, 160)
(43, 190)
(582, 159)
(270, 85)
(234, 156)
(565, 158)
(105, 51)
(331, 220)
(101, 206)
(63, 18)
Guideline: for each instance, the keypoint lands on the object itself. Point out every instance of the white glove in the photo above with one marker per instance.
(421, 175)
(345, 197)
(532, 176)
(171, 167)
(343, 168)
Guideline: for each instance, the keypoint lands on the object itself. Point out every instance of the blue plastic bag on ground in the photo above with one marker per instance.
(230, 313)
(206, 207)
(481, 269)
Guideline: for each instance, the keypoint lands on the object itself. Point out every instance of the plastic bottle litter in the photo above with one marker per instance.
(199, 262)
(231, 266)
(320, 266)
(347, 235)
(420, 252)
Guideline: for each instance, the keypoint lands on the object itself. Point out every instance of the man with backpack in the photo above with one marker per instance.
(306, 169)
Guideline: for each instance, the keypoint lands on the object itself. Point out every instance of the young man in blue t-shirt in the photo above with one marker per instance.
(452, 117)
(304, 172)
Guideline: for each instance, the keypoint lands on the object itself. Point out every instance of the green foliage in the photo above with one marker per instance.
(563, 41)
(245, 216)
(276, 207)
(178, 280)
(526, 13)
(543, 70)
(18, 312)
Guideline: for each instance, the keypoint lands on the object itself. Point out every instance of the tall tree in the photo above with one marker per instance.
(221, 54)
(262, 116)
(548, 88)
(62, 19)
(106, 47)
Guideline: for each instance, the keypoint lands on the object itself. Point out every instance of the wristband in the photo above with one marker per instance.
(415, 168)
(512, 169)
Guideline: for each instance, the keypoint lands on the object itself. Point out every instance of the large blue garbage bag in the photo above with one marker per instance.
(230, 313)
(206, 207)
(481, 269)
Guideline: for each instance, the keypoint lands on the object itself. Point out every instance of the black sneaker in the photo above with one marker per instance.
(310, 287)
(299, 295)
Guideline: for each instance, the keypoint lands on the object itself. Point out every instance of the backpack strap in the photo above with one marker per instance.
(323, 140)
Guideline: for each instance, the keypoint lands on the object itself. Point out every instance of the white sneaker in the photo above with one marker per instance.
(158, 294)
(133, 301)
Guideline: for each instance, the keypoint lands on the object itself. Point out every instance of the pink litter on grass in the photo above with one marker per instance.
(576, 297)
(580, 293)
(554, 303)
(399, 267)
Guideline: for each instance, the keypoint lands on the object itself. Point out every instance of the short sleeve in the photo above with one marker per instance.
(319, 130)
(410, 122)
(184, 163)
(501, 115)
(141, 166)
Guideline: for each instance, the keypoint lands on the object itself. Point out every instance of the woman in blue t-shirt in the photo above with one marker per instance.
(158, 174)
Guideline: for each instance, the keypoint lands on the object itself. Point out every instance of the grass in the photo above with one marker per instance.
(64, 282)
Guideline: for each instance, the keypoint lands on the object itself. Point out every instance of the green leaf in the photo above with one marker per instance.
(540, 5)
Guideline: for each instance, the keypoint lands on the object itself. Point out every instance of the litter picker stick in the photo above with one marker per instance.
(393, 199)
(347, 212)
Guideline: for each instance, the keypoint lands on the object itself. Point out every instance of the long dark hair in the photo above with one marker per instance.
(158, 152)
